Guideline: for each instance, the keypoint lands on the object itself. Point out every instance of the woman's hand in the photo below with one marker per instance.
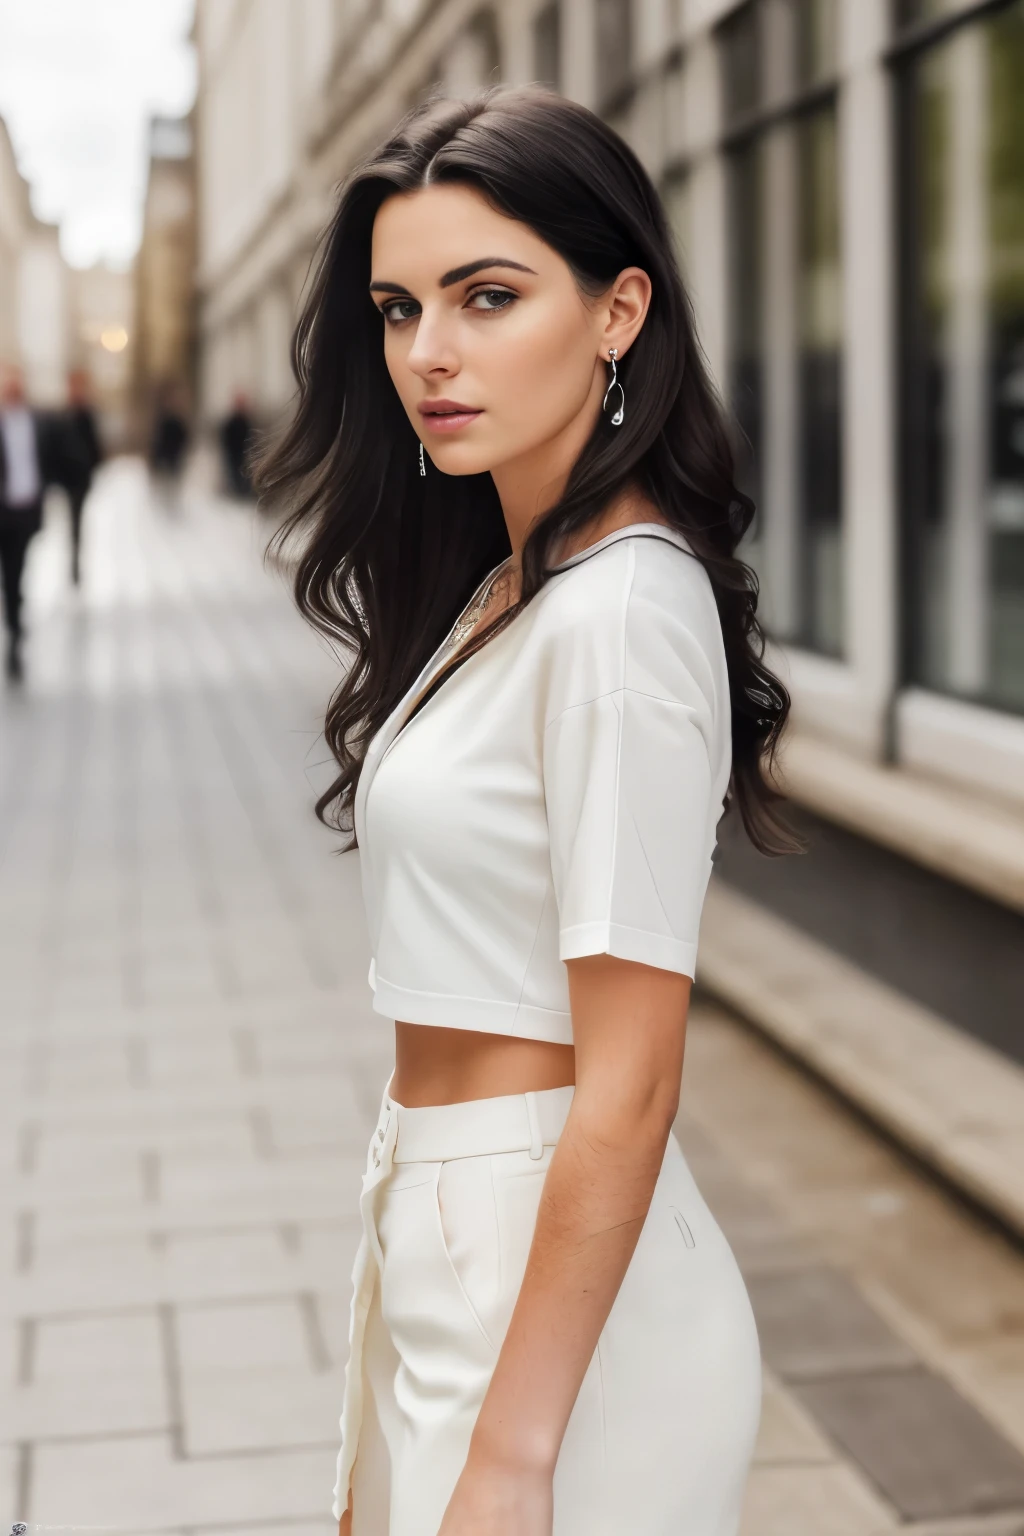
(497, 1499)
(345, 1523)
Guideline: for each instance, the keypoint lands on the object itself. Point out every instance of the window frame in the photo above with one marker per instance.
(916, 37)
(911, 45)
(616, 96)
(549, 13)
(737, 135)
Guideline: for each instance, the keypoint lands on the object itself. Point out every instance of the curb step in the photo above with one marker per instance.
(955, 1103)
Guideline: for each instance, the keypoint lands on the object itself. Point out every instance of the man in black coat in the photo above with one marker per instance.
(25, 471)
(80, 452)
(236, 440)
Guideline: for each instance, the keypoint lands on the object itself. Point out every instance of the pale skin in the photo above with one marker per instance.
(517, 342)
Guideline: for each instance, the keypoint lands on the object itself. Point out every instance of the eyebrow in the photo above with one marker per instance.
(457, 274)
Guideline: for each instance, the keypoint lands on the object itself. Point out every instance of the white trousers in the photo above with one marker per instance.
(661, 1436)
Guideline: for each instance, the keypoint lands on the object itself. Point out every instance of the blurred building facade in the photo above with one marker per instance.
(102, 304)
(34, 289)
(846, 178)
(54, 318)
(163, 352)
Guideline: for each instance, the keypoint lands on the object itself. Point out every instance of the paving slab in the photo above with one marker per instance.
(76, 1483)
(788, 1435)
(944, 1458)
(814, 1322)
(802, 1500)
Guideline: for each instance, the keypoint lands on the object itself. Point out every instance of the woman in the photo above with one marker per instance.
(516, 498)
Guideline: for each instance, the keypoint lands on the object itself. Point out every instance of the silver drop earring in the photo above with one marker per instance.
(620, 414)
(423, 467)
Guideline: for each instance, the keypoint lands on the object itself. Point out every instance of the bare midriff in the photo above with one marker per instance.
(447, 1066)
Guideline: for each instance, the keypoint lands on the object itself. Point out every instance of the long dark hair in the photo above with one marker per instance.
(388, 559)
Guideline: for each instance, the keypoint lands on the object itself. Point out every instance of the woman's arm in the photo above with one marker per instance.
(629, 1024)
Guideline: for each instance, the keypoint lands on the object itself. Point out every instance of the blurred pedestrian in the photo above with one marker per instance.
(236, 440)
(25, 464)
(169, 441)
(79, 453)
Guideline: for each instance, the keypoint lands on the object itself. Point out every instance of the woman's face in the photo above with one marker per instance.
(496, 355)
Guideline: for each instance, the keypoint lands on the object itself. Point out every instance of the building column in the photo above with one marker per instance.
(869, 406)
(579, 63)
(966, 576)
(515, 30)
(707, 254)
(782, 509)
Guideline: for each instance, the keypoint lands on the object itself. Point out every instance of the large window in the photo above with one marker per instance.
(915, 13)
(547, 46)
(614, 26)
(963, 417)
(778, 60)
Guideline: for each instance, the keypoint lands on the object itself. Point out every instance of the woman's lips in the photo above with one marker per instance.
(446, 415)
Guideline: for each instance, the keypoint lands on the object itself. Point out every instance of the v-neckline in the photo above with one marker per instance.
(628, 531)
(435, 667)
(404, 711)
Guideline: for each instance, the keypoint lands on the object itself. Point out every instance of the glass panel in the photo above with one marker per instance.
(614, 26)
(785, 370)
(914, 13)
(965, 376)
(740, 54)
(816, 41)
(746, 327)
(820, 320)
(547, 49)
(677, 200)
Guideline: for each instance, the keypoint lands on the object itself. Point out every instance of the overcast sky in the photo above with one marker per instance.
(78, 82)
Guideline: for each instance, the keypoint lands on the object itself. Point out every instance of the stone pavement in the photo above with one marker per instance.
(190, 1069)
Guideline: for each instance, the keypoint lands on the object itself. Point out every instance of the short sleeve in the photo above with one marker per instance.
(632, 794)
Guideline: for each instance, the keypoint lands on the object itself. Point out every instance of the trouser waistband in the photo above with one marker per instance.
(437, 1133)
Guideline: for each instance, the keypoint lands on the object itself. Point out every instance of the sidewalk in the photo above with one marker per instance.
(187, 1047)
(190, 1070)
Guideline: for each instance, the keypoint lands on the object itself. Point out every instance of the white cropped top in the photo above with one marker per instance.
(557, 796)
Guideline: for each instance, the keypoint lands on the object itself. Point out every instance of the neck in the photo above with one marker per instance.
(525, 499)
(533, 482)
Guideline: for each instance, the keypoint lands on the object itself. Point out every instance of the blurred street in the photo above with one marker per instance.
(190, 1069)
(187, 1048)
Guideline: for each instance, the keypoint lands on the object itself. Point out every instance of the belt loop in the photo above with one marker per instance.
(536, 1139)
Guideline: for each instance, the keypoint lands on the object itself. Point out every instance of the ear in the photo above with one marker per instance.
(628, 301)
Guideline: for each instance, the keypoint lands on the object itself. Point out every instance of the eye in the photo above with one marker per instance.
(397, 310)
(494, 299)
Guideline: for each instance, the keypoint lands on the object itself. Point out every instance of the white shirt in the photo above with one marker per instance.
(24, 482)
(558, 796)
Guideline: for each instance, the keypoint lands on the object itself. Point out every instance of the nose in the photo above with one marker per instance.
(433, 353)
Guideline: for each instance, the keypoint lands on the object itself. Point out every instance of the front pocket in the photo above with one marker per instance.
(680, 1221)
(468, 1231)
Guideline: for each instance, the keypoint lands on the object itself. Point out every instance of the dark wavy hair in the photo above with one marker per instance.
(385, 559)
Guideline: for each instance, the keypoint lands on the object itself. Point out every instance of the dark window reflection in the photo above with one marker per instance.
(614, 26)
(741, 55)
(816, 38)
(915, 13)
(746, 283)
(964, 403)
(785, 369)
(785, 304)
(820, 319)
(547, 48)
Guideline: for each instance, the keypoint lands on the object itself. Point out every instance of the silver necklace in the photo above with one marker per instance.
(467, 623)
